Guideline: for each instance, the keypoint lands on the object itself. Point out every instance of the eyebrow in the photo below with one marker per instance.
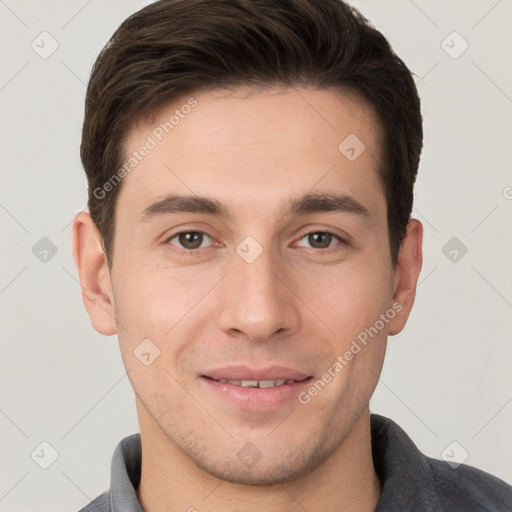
(309, 203)
(184, 204)
(313, 203)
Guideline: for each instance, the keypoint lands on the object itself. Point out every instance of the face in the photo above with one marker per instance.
(252, 256)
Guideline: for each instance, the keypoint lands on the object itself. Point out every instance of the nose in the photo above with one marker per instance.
(257, 302)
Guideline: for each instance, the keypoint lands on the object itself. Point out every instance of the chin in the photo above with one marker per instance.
(283, 468)
(264, 476)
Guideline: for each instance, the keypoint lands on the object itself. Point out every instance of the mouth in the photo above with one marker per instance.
(257, 383)
(255, 390)
(251, 377)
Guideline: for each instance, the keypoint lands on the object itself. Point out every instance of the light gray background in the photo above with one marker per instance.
(447, 376)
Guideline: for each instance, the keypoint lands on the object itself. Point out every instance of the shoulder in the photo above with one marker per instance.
(466, 486)
(100, 504)
(412, 481)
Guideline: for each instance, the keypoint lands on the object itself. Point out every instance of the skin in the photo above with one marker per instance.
(299, 304)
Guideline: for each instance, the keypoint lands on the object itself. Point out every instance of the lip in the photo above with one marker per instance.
(247, 373)
(254, 399)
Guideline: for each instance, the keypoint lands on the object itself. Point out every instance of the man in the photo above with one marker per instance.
(251, 168)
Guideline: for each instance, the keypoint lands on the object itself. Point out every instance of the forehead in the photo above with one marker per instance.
(238, 143)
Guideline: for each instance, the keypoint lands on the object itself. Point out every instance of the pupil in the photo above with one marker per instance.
(191, 240)
(320, 240)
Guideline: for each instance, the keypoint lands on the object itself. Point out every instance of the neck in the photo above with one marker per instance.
(171, 482)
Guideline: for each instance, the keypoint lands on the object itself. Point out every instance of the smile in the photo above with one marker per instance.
(256, 383)
(256, 393)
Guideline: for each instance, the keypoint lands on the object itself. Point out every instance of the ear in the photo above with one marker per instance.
(410, 259)
(91, 264)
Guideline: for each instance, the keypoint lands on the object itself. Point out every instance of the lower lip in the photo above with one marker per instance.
(256, 399)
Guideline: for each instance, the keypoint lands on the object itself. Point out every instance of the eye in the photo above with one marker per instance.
(190, 240)
(319, 240)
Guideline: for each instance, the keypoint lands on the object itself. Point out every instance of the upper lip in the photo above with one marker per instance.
(247, 373)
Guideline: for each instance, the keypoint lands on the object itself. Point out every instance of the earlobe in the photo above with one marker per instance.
(91, 264)
(410, 259)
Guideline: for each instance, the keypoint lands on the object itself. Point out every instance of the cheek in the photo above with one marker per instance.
(152, 310)
(154, 300)
(164, 305)
(349, 298)
(350, 302)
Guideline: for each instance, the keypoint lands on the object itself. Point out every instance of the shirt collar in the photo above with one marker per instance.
(125, 475)
(404, 472)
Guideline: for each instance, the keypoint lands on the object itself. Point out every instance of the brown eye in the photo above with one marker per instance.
(190, 240)
(319, 240)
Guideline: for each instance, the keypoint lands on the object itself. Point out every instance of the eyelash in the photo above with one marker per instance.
(183, 250)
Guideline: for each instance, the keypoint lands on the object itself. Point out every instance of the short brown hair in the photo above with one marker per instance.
(176, 47)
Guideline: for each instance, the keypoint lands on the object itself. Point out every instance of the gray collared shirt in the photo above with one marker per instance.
(410, 481)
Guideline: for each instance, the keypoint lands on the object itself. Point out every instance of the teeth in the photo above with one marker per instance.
(247, 383)
(270, 383)
(257, 383)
